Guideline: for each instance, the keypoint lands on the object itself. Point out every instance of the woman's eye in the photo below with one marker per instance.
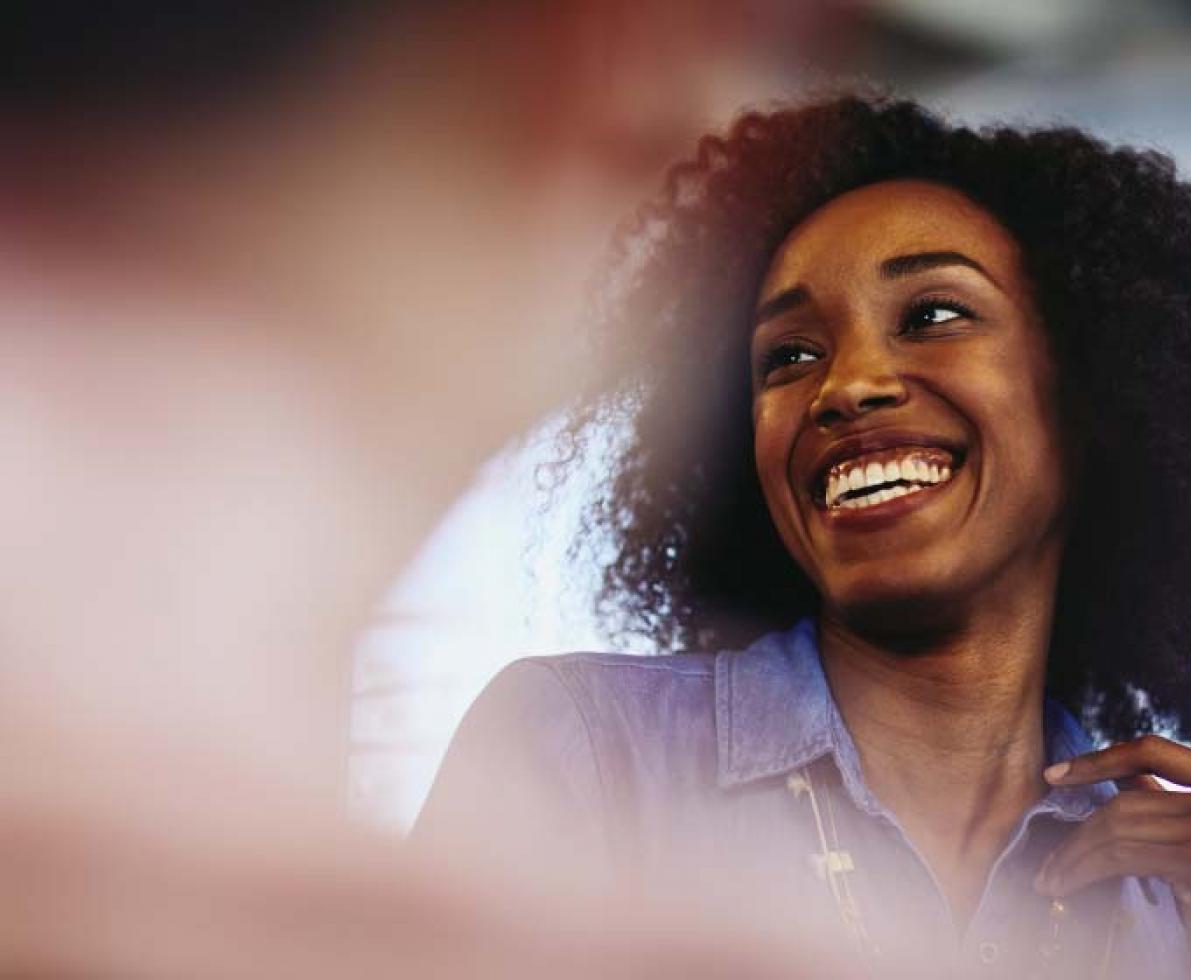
(786, 355)
(934, 313)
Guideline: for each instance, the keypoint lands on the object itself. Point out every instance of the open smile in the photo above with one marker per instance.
(874, 478)
(868, 478)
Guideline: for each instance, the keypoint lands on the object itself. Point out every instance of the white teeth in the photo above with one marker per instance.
(882, 480)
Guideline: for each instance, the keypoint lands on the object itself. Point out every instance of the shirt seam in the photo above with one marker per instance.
(590, 660)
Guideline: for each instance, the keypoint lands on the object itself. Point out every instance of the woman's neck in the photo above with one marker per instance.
(949, 731)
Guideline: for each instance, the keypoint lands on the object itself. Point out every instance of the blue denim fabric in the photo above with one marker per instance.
(674, 760)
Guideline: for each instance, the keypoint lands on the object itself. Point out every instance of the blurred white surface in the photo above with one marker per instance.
(492, 584)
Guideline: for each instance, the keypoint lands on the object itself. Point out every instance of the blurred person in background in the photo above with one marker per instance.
(909, 402)
(274, 280)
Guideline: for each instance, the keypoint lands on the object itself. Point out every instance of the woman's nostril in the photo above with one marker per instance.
(840, 407)
(877, 401)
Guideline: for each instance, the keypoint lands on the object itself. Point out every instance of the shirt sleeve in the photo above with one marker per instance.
(520, 784)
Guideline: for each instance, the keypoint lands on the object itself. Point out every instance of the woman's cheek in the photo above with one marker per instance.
(775, 430)
(771, 447)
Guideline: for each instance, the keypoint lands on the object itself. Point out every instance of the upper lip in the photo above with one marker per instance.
(873, 441)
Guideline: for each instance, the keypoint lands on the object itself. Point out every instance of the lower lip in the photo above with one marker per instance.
(885, 513)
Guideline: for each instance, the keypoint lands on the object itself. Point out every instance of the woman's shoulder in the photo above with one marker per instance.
(612, 668)
(604, 694)
(617, 675)
(552, 739)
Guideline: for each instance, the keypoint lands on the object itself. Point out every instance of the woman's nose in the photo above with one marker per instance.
(858, 381)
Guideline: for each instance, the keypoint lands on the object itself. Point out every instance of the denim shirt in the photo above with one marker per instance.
(672, 760)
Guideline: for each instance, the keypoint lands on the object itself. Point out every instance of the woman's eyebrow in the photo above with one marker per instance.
(779, 303)
(908, 265)
(893, 268)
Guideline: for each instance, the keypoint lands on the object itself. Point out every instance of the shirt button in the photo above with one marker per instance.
(988, 953)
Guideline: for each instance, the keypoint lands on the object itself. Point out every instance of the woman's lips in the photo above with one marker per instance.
(871, 489)
(864, 479)
(886, 511)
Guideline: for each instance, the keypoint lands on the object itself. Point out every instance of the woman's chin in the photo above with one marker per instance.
(899, 607)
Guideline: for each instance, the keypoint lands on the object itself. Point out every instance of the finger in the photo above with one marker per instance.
(1133, 804)
(1145, 783)
(1119, 859)
(1155, 830)
(1145, 817)
(1150, 754)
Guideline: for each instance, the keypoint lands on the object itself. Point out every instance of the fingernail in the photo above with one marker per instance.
(1052, 774)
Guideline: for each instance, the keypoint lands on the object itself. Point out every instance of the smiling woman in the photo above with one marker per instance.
(908, 402)
(914, 358)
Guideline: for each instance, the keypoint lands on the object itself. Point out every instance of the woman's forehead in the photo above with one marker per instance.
(848, 239)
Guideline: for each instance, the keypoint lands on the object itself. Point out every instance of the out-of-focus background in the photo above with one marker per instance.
(629, 87)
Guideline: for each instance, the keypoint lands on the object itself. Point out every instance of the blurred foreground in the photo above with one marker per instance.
(273, 286)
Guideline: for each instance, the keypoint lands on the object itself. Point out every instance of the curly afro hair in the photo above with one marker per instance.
(1106, 238)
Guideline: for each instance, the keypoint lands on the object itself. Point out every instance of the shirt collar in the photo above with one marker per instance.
(775, 714)
(772, 706)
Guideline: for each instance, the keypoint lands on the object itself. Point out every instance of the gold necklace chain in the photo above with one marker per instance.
(834, 865)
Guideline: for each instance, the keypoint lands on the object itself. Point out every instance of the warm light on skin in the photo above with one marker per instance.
(978, 374)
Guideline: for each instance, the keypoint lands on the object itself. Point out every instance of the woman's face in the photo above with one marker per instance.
(905, 406)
